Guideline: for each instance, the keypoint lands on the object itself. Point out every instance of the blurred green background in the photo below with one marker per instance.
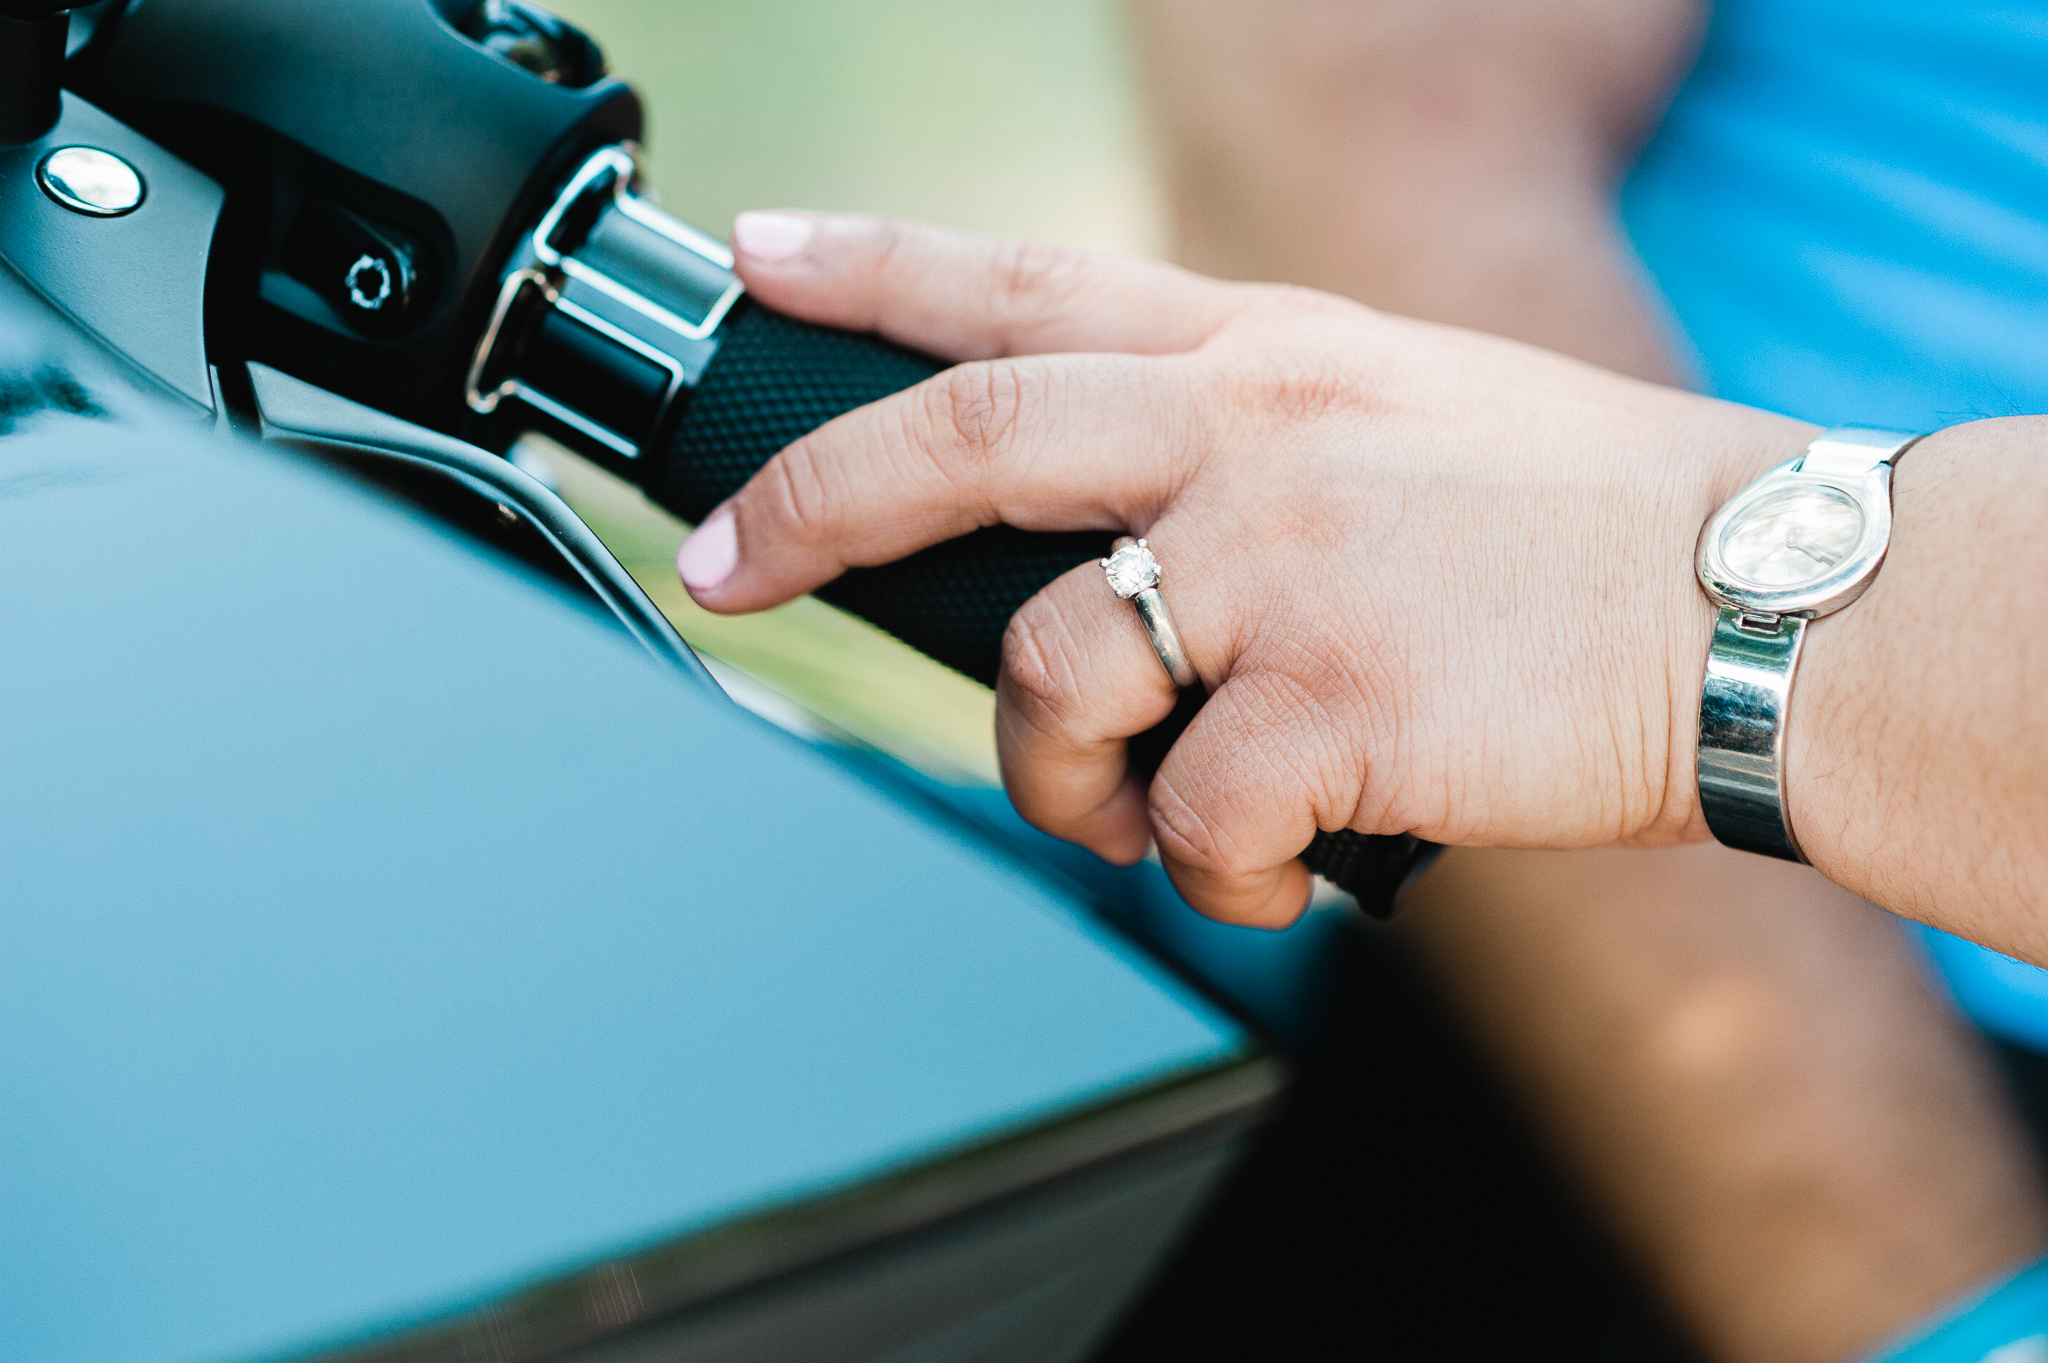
(1010, 116)
(1017, 117)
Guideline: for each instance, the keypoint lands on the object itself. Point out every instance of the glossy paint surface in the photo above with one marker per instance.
(383, 931)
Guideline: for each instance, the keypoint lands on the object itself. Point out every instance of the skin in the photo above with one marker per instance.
(1315, 457)
(1742, 1062)
(1446, 159)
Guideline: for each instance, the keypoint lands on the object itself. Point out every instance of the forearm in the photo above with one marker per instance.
(1918, 762)
(1451, 161)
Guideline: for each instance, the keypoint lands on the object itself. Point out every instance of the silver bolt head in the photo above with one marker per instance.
(87, 180)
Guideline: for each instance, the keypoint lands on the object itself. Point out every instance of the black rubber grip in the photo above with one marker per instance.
(775, 379)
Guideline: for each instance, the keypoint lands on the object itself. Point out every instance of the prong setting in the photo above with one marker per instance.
(1131, 569)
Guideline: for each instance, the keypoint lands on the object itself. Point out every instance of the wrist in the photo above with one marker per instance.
(1917, 730)
(1852, 730)
(1716, 454)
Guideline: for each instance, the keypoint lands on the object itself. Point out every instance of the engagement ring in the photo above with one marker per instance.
(1134, 575)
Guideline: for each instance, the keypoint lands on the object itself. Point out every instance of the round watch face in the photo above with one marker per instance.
(1792, 536)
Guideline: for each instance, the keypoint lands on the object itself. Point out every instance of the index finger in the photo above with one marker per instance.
(1071, 442)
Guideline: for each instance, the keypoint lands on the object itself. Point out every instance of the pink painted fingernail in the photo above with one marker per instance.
(709, 555)
(771, 237)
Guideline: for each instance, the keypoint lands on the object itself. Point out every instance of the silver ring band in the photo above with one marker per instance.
(1133, 574)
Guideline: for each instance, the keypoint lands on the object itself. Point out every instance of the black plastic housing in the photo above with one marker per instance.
(425, 137)
(31, 74)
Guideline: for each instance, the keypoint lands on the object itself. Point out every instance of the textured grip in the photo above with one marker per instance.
(775, 379)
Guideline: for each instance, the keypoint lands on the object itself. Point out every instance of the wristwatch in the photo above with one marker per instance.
(1800, 542)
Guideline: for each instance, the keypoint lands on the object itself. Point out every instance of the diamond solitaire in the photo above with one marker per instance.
(1131, 569)
(1134, 575)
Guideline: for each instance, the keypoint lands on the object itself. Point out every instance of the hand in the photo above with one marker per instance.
(1436, 582)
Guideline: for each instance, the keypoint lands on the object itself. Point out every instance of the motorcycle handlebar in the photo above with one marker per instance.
(625, 332)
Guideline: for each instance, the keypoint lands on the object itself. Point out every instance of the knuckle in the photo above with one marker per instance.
(1039, 662)
(1189, 835)
(1304, 729)
(1034, 279)
(890, 245)
(1306, 368)
(1307, 704)
(1307, 392)
(797, 498)
(1297, 303)
(972, 412)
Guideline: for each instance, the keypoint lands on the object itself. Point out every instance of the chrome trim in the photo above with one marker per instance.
(555, 267)
(568, 416)
(486, 403)
(640, 303)
(675, 229)
(624, 338)
(93, 181)
(597, 165)
(625, 171)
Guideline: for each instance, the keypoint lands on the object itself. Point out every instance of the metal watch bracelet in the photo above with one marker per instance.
(1799, 543)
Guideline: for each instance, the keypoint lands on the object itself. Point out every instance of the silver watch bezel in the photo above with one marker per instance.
(1823, 596)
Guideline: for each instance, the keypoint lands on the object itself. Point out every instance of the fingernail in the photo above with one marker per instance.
(771, 237)
(709, 555)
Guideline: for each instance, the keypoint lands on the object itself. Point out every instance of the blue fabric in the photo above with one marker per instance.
(1846, 212)
(2008, 1324)
(2005, 997)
